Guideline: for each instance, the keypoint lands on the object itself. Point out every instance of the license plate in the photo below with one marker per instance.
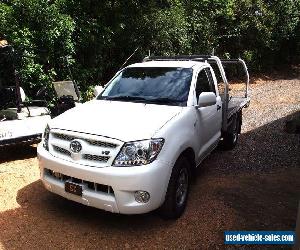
(4, 134)
(73, 188)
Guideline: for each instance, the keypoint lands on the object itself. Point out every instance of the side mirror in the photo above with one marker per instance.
(207, 99)
(98, 90)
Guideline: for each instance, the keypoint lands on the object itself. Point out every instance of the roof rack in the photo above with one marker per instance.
(177, 58)
(230, 61)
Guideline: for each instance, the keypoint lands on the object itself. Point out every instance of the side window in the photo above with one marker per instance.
(211, 80)
(203, 83)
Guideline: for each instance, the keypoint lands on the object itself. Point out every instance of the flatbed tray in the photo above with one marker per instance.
(235, 104)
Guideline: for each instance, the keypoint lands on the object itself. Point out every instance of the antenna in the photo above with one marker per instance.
(129, 58)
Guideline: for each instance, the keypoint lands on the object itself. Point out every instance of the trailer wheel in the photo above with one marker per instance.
(178, 190)
(230, 138)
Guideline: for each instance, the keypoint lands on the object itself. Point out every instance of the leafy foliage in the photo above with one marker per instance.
(98, 36)
(40, 35)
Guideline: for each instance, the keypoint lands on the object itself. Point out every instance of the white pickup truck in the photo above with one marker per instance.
(135, 147)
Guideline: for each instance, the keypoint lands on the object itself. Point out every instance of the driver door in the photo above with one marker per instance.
(209, 119)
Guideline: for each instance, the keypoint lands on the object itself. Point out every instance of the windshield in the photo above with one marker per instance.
(150, 85)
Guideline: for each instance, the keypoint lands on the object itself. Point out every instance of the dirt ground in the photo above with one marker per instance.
(256, 186)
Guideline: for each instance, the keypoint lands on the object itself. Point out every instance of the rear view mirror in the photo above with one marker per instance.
(98, 90)
(207, 99)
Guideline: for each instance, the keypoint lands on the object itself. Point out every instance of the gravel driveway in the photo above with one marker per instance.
(254, 187)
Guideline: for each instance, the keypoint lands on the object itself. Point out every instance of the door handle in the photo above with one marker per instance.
(218, 107)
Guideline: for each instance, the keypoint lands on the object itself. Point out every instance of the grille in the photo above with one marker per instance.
(63, 137)
(88, 185)
(102, 144)
(61, 150)
(92, 142)
(96, 158)
(97, 151)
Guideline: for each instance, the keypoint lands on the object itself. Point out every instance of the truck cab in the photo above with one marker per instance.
(134, 148)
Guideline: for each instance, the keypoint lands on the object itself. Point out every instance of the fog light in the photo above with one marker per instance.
(142, 196)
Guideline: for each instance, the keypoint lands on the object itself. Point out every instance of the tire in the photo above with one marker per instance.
(230, 139)
(178, 190)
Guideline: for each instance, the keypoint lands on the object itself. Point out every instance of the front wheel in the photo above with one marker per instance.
(178, 190)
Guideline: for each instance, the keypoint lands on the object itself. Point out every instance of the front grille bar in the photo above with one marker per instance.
(96, 158)
(62, 150)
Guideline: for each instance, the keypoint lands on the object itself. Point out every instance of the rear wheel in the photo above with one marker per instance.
(230, 138)
(178, 190)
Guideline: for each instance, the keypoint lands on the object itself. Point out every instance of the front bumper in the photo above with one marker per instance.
(31, 139)
(124, 181)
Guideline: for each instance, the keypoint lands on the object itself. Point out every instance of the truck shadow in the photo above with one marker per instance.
(17, 152)
(263, 150)
(254, 190)
(45, 218)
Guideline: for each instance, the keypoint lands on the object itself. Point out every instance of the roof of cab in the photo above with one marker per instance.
(177, 64)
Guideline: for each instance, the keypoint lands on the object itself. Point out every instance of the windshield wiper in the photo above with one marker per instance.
(164, 100)
(124, 98)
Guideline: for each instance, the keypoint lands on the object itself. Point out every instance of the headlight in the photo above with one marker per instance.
(138, 153)
(46, 138)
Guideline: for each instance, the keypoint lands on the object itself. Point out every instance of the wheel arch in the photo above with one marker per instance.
(168, 210)
(189, 154)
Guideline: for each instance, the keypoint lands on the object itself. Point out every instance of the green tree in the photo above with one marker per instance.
(40, 35)
(98, 36)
